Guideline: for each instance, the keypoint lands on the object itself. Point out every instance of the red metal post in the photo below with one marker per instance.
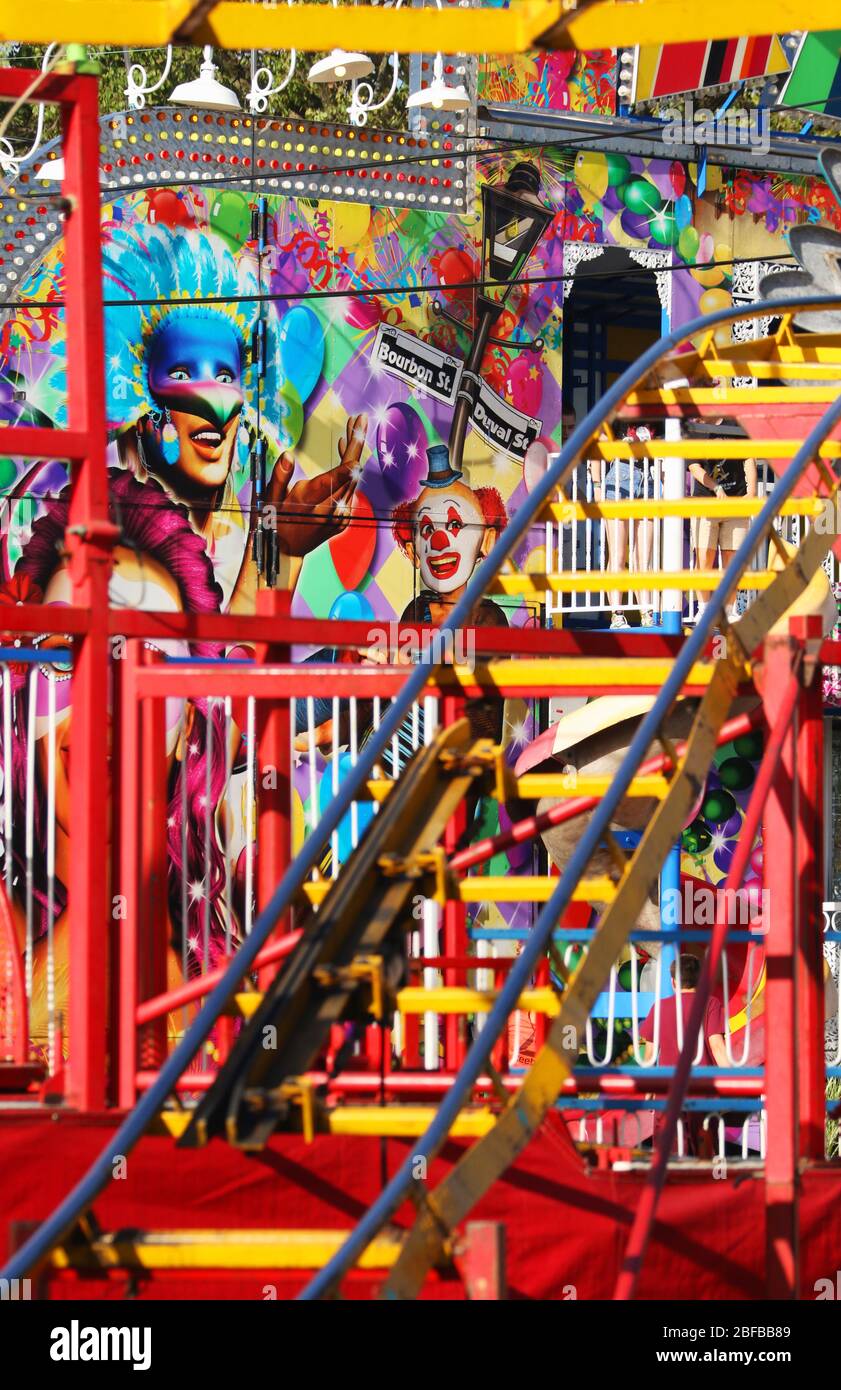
(781, 1210)
(455, 913)
(90, 541)
(127, 879)
(809, 764)
(153, 913)
(274, 774)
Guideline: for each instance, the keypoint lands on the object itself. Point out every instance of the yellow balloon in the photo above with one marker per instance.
(713, 276)
(714, 299)
(536, 560)
(350, 223)
(591, 175)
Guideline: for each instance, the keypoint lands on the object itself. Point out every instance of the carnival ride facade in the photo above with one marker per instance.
(322, 994)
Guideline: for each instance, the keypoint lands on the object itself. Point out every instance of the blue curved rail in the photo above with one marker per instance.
(57, 1226)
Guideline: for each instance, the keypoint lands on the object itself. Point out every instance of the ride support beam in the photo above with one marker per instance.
(809, 763)
(274, 734)
(781, 1177)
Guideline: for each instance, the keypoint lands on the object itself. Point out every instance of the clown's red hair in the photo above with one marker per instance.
(490, 503)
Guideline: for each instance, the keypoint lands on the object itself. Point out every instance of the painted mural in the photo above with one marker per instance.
(224, 406)
(556, 81)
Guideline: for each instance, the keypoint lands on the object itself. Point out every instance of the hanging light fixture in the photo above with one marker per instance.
(439, 94)
(205, 92)
(341, 66)
(138, 87)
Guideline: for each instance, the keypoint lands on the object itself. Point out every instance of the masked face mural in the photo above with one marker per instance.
(195, 378)
(450, 530)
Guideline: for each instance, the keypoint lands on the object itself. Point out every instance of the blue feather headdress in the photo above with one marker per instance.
(174, 269)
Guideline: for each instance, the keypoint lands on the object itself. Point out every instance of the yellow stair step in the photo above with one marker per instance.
(234, 1249)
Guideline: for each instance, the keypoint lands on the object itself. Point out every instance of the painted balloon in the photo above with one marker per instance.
(351, 607)
(683, 212)
(401, 450)
(524, 383)
(537, 460)
(455, 267)
(711, 300)
(718, 807)
(350, 222)
(736, 774)
(290, 413)
(635, 224)
(591, 176)
(749, 745)
(230, 217)
(640, 196)
(612, 200)
(687, 245)
(677, 175)
(302, 348)
(663, 228)
(618, 169)
(327, 787)
(352, 550)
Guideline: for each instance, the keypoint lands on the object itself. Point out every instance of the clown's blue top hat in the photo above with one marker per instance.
(441, 472)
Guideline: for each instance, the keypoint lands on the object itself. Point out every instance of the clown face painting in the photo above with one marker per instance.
(450, 530)
(447, 530)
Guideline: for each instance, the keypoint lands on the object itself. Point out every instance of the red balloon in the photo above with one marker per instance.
(352, 550)
(454, 268)
(677, 174)
(168, 210)
(524, 383)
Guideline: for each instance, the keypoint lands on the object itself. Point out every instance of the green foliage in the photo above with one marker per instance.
(833, 1092)
(300, 99)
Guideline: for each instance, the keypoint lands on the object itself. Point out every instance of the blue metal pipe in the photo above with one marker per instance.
(79, 1199)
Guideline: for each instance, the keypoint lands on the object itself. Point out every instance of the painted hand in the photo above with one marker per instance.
(317, 508)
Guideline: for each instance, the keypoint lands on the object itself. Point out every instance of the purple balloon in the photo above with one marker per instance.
(723, 857)
(733, 825)
(635, 224)
(401, 450)
(611, 201)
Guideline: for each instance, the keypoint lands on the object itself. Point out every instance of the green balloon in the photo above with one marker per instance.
(688, 243)
(230, 217)
(750, 745)
(696, 837)
(625, 976)
(736, 774)
(641, 197)
(718, 806)
(290, 424)
(618, 169)
(8, 473)
(663, 228)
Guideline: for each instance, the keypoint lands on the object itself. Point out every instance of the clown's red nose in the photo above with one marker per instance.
(440, 540)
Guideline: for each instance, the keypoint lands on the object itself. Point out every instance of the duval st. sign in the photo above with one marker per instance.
(500, 425)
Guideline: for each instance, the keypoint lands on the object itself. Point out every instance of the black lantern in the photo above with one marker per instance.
(513, 221)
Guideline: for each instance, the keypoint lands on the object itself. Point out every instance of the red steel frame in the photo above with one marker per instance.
(90, 539)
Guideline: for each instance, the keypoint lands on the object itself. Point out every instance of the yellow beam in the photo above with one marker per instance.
(234, 1249)
(235, 25)
(452, 999)
(710, 448)
(734, 395)
(534, 785)
(533, 889)
(624, 581)
(714, 508)
(567, 672)
(404, 1121)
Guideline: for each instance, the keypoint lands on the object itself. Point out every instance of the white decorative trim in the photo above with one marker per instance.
(574, 253)
(661, 263)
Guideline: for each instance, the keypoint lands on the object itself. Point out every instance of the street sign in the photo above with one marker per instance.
(421, 365)
(500, 425)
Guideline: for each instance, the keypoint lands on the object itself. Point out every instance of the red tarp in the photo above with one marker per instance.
(566, 1227)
